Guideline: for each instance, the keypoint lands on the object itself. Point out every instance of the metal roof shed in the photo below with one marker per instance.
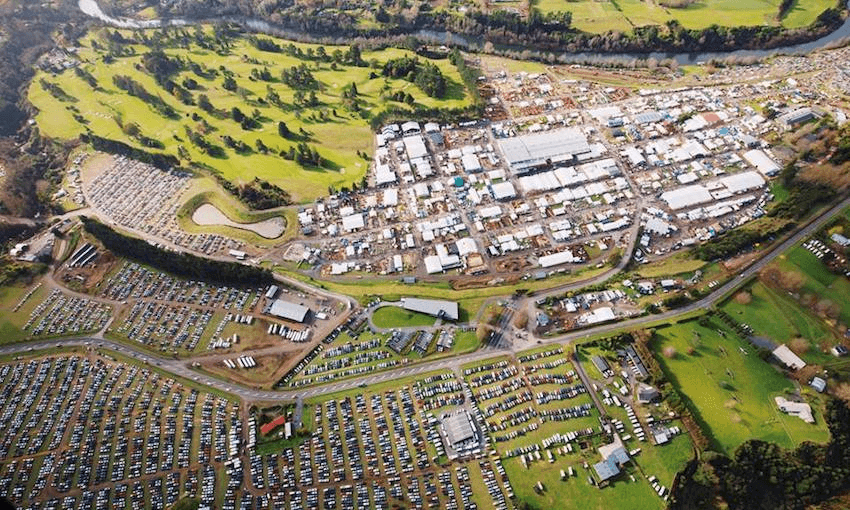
(503, 191)
(289, 311)
(434, 307)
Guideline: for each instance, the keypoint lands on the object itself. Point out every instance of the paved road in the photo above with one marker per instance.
(183, 367)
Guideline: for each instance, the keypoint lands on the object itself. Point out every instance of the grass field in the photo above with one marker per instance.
(677, 264)
(819, 280)
(774, 315)
(731, 389)
(576, 492)
(465, 341)
(395, 317)
(663, 462)
(107, 108)
(12, 322)
(624, 15)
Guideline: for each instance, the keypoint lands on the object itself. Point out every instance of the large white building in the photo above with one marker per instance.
(447, 310)
(686, 196)
(762, 162)
(528, 151)
(289, 311)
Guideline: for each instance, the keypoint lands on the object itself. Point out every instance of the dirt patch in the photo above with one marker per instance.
(208, 214)
(86, 279)
(732, 265)
(484, 281)
(269, 369)
(95, 165)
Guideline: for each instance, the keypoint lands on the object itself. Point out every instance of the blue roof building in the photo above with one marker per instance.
(613, 457)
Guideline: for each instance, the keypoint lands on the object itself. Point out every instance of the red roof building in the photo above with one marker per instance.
(268, 427)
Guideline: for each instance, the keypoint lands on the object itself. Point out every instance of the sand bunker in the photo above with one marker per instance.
(208, 214)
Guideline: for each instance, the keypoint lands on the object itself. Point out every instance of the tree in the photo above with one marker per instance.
(131, 129)
(283, 130)
(204, 103)
(229, 83)
(237, 114)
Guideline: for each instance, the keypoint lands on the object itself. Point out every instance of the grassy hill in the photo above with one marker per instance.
(89, 99)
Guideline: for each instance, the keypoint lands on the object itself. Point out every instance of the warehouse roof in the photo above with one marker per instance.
(600, 363)
(466, 245)
(459, 428)
(686, 196)
(743, 181)
(562, 257)
(352, 222)
(289, 311)
(599, 315)
(383, 175)
(415, 147)
(470, 163)
(798, 116)
(503, 190)
(390, 197)
(788, 358)
(648, 117)
(437, 308)
(432, 265)
(761, 162)
(527, 151)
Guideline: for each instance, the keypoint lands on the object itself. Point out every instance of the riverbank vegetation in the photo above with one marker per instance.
(552, 25)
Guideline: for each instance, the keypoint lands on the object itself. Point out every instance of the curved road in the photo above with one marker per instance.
(183, 369)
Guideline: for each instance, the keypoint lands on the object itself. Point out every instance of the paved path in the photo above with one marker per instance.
(183, 367)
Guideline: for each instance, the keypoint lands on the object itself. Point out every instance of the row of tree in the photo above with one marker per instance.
(136, 89)
(180, 264)
(257, 194)
(299, 77)
(352, 56)
(159, 160)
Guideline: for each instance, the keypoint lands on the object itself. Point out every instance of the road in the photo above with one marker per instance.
(183, 368)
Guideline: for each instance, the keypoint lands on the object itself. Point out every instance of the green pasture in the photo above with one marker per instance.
(676, 264)
(106, 109)
(624, 15)
(575, 492)
(819, 281)
(395, 317)
(664, 461)
(469, 300)
(12, 322)
(730, 388)
(774, 315)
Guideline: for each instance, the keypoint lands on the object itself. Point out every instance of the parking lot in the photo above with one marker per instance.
(142, 197)
(170, 313)
(60, 314)
(131, 438)
(533, 398)
(378, 449)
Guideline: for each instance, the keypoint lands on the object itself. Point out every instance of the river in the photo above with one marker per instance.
(91, 8)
